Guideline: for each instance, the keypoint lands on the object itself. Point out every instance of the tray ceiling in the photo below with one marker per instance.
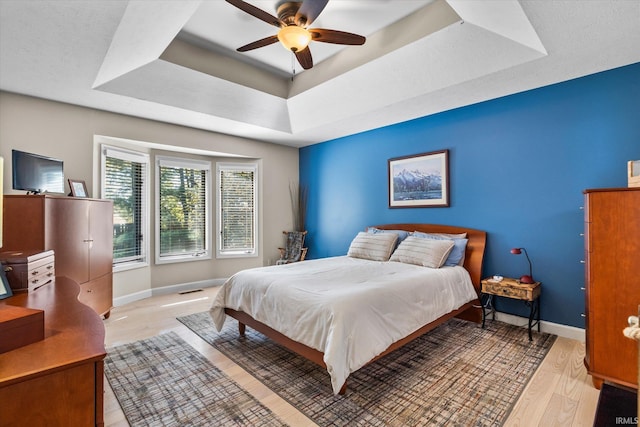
(175, 61)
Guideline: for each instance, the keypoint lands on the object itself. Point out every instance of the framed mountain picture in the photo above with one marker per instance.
(420, 180)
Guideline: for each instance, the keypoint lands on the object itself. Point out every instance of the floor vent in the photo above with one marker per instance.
(189, 292)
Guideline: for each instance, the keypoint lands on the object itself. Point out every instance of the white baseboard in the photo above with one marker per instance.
(190, 286)
(171, 289)
(549, 327)
(119, 301)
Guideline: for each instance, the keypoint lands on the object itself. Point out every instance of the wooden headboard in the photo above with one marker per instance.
(475, 247)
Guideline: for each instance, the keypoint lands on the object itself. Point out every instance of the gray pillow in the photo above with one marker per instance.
(425, 252)
(376, 247)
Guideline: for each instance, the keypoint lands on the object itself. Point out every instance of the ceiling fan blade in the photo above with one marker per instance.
(335, 36)
(309, 11)
(258, 13)
(304, 58)
(258, 43)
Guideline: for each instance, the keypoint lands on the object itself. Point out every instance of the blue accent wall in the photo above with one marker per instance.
(518, 166)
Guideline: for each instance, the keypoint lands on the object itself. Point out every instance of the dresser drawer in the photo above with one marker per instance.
(98, 294)
(41, 275)
(511, 288)
(507, 291)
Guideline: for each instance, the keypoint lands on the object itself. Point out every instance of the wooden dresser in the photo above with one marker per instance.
(78, 230)
(612, 291)
(57, 381)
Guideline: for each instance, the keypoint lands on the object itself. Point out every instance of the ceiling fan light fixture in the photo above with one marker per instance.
(294, 38)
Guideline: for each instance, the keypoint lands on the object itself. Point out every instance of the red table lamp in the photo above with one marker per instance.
(525, 278)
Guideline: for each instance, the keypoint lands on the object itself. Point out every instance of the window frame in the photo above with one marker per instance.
(144, 159)
(244, 166)
(185, 163)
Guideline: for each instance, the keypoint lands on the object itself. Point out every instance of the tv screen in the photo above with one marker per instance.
(37, 174)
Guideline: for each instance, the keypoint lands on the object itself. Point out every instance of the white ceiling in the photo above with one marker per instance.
(175, 61)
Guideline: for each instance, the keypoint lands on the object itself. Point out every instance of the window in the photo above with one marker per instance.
(182, 226)
(237, 209)
(124, 180)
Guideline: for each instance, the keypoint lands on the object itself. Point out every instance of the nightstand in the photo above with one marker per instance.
(512, 288)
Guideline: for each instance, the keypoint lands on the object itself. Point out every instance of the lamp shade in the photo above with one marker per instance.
(294, 38)
(525, 278)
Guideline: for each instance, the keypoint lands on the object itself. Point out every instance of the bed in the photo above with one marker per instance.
(345, 312)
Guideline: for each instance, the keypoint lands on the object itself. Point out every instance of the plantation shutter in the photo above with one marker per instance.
(183, 208)
(124, 182)
(237, 208)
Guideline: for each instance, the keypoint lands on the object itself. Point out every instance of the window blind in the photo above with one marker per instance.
(125, 176)
(182, 208)
(237, 209)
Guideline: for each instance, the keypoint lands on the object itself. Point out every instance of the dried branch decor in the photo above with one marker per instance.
(299, 196)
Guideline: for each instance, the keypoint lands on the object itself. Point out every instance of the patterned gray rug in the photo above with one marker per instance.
(163, 381)
(458, 374)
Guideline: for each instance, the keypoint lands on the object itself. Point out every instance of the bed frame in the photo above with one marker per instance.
(471, 311)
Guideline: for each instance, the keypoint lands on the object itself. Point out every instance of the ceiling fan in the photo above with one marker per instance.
(293, 19)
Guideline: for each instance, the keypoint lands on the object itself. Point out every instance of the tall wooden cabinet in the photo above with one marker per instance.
(78, 230)
(612, 273)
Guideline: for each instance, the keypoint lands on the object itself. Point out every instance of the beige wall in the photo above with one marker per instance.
(67, 132)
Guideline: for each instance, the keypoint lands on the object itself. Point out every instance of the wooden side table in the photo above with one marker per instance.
(512, 288)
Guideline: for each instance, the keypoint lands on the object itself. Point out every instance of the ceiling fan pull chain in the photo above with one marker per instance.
(293, 66)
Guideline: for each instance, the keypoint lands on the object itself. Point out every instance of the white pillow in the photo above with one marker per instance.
(425, 252)
(376, 247)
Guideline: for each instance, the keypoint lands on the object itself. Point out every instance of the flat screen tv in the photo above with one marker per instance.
(37, 174)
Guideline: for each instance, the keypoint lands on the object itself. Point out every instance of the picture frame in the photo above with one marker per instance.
(419, 180)
(78, 188)
(5, 288)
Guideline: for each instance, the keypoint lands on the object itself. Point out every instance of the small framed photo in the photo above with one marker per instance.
(5, 289)
(78, 188)
(419, 181)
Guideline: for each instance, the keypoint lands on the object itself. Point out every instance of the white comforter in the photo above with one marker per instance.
(348, 308)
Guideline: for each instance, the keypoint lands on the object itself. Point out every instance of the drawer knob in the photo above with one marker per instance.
(49, 267)
(581, 261)
(583, 288)
(35, 272)
(583, 315)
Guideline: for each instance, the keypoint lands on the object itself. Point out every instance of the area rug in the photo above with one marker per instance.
(162, 381)
(458, 374)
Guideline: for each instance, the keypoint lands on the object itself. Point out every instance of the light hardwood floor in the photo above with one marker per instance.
(559, 394)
